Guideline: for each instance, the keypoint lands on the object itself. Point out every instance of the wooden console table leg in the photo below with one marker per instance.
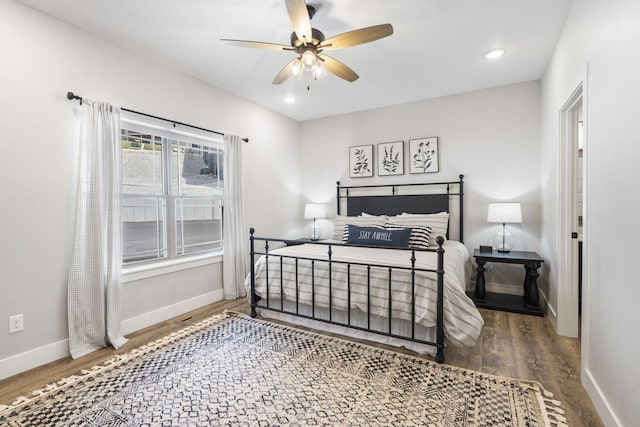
(531, 294)
(480, 283)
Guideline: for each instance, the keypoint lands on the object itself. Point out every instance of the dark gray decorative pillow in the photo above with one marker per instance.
(376, 236)
(345, 231)
(419, 234)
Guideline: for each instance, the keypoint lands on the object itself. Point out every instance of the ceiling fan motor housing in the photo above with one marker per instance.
(317, 37)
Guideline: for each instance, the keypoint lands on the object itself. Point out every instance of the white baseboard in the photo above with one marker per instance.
(161, 314)
(597, 398)
(550, 310)
(13, 365)
(30, 359)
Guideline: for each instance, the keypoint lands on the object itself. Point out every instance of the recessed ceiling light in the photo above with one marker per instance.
(289, 99)
(495, 53)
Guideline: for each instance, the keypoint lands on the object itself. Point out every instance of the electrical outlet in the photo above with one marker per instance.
(16, 323)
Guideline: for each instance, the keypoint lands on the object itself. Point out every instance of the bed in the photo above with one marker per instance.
(389, 273)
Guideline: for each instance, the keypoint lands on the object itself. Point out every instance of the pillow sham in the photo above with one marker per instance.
(439, 223)
(340, 221)
(376, 236)
(419, 238)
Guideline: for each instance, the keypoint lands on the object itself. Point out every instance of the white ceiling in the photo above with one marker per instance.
(437, 48)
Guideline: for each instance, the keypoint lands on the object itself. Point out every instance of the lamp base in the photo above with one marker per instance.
(313, 232)
(504, 241)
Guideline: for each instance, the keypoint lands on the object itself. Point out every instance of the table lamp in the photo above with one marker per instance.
(314, 211)
(505, 213)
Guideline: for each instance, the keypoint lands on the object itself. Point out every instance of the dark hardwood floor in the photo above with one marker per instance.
(511, 345)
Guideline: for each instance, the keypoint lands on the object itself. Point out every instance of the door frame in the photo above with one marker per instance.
(568, 319)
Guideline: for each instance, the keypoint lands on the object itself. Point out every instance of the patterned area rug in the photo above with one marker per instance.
(234, 370)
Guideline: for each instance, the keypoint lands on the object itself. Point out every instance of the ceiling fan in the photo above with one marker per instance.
(309, 45)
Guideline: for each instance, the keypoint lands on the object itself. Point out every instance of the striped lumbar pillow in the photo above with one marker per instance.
(419, 238)
(439, 223)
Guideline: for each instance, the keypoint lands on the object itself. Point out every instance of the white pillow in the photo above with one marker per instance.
(340, 221)
(439, 223)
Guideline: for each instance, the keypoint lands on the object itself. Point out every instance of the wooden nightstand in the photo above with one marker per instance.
(529, 302)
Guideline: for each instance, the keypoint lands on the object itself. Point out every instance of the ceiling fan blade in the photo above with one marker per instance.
(338, 68)
(299, 17)
(257, 45)
(356, 37)
(285, 73)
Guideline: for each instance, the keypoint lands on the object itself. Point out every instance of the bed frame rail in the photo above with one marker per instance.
(263, 303)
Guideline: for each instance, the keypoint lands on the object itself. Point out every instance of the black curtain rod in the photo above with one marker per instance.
(72, 96)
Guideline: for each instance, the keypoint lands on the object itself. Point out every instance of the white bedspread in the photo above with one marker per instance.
(462, 321)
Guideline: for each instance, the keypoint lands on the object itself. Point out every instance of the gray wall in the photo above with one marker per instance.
(491, 136)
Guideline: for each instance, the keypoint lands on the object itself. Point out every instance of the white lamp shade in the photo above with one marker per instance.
(506, 213)
(314, 210)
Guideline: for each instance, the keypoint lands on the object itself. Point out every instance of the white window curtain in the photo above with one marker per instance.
(94, 287)
(234, 268)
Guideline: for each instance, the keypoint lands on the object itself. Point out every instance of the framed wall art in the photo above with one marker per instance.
(391, 158)
(361, 161)
(423, 155)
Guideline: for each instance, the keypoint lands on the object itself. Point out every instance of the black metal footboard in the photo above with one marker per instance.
(330, 266)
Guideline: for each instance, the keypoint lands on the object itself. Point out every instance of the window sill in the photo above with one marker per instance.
(138, 272)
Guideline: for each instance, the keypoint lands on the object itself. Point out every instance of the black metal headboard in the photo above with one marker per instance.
(432, 197)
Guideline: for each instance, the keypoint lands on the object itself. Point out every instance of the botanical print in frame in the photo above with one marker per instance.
(391, 158)
(361, 161)
(423, 155)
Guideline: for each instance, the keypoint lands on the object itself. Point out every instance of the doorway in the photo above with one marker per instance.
(578, 190)
(571, 213)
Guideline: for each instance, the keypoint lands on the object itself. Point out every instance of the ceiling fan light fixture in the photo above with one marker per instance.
(318, 71)
(309, 59)
(296, 68)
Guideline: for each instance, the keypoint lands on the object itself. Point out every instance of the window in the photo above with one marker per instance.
(172, 192)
